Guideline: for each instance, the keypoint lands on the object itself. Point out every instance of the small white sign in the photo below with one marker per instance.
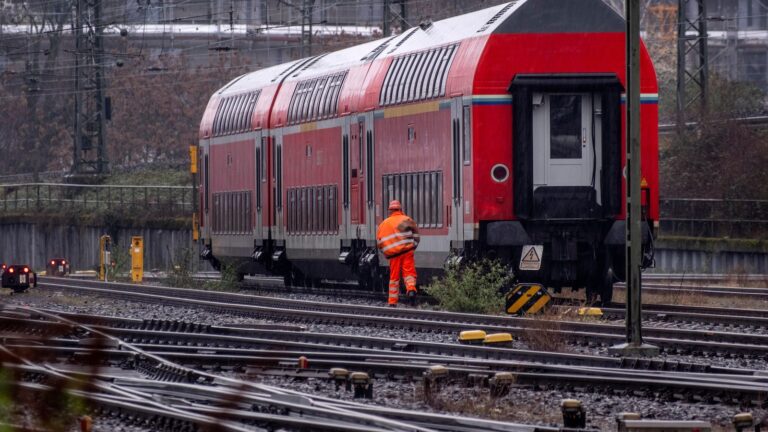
(530, 258)
(22, 279)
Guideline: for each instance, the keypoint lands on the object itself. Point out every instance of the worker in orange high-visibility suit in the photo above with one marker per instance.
(397, 238)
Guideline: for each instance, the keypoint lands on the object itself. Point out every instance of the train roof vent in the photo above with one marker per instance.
(417, 76)
(234, 114)
(496, 17)
(376, 51)
(402, 41)
(309, 64)
(316, 98)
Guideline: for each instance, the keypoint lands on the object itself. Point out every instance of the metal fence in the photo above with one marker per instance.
(716, 218)
(168, 201)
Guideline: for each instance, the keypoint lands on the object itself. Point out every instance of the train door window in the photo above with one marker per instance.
(205, 180)
(467, 139)
(456, 160)
(258, 177)
(369, 167)
(279, 159)
(316, 210)
(360, 144)
(345, 165)
(439, 198)
(565, 126)
(331, 209)
(321, 210)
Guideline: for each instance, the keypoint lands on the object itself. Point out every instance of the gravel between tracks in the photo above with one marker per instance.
(534, 406)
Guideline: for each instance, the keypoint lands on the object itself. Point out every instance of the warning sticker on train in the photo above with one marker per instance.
(530, 258)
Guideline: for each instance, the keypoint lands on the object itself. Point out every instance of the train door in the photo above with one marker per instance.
(566, 140)
(259, 143)
(277, 232)
(372, 211)
(457, 204)
(352, 141)
(205, 219)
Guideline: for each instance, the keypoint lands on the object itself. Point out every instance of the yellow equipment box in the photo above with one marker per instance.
(527, 298)
(137, 259)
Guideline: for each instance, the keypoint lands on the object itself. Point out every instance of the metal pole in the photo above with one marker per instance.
(385, 19)
(634, 345)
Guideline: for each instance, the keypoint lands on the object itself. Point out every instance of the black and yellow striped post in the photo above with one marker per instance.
(527, 298)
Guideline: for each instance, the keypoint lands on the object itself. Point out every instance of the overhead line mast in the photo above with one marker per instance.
(90, 149)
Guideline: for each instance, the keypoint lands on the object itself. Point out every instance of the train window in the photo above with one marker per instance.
(446, 64)
(413, 90)
(217, 119)
(230, 118)
(467, 138)
(565, 126)
(222, 116)
(345, 164)
(387, 84)
(239, 111)
(225, 116)
(402, 85)
(246, 110)
(312, 99)
(423, 78)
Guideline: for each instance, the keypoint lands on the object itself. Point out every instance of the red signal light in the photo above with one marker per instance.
(26, 269)
(63, 262)
(53, 262)
(10, 270)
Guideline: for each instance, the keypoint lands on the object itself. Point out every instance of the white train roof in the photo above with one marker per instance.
(519, 16)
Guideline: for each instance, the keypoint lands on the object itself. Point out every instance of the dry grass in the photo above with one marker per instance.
(543, 333)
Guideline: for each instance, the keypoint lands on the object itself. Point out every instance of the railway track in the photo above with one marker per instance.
(186, 347)
(672, 340)
(204, 397)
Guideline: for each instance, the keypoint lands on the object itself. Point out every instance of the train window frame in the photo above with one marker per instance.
(402, 89)
(206, 181)
(238, 117)
(311, 114)
(419, 64)
(466, 132)
(433, 73)
(345, 167)
(387, 84)
(396, 78)
(421, 77)
(225, 115)
(369, 167)
(232, 115)
(217, 119)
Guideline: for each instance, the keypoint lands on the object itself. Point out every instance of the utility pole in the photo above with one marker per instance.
(634, 345)
(90, 149)
(696, 77)
(389, 16)
(307, 10)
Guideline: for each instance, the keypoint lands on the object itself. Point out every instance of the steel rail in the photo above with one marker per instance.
(753, 388)
(304, 406)
(673, 340)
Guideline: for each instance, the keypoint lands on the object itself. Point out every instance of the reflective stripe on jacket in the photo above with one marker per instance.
(397, 235)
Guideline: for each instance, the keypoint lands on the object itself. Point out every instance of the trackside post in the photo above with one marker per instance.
(634, 345)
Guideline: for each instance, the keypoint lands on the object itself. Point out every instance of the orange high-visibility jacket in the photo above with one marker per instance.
(397, 235)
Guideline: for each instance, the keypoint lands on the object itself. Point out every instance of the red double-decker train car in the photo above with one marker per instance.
(501, 132)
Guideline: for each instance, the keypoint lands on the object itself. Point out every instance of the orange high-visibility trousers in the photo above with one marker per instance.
(404, 265)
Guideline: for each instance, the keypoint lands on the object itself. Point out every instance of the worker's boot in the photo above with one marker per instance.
(412, 298)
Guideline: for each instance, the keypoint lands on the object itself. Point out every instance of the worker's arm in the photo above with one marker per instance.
(415, 231)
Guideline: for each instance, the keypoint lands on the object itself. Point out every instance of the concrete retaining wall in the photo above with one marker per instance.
(34, 244)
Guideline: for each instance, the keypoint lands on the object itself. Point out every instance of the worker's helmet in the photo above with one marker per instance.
(395, 205)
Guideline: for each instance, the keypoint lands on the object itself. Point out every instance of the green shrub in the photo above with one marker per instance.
(472, 288)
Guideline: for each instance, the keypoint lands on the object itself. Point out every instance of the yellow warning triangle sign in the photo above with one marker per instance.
(531, 256)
